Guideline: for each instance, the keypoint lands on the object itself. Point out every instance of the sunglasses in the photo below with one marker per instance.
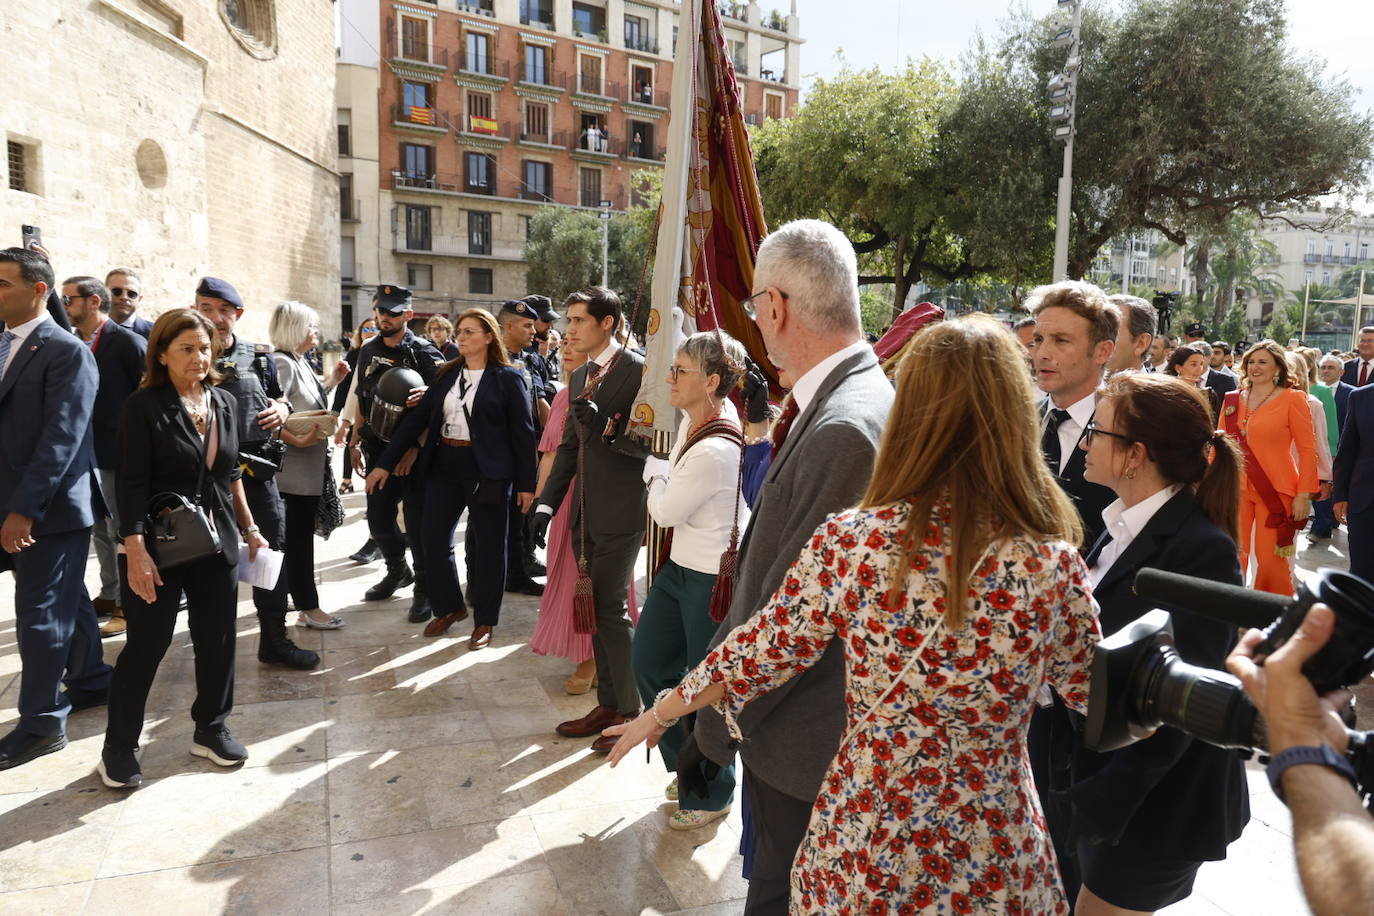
(68, 300)
(1093, 429)
(369, 329)
(124, 292)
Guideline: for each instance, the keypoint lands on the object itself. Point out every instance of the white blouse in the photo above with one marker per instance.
(455, 422)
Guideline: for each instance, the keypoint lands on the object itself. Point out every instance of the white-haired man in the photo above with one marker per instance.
(806, 306)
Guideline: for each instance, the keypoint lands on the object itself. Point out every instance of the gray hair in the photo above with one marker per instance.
(716, 353)
(1331, 358)
(90, 286)
(814, 264)
(291, 324)
(1140, 315)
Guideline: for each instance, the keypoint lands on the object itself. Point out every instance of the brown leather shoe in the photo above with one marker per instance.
(106, 607)
(591, 724)
(439, 625)
(115, 625)
(480, 638)
(604, 744)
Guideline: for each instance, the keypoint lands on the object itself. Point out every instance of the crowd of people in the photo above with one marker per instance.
(873, 618)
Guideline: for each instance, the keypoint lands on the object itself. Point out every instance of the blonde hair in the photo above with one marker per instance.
(963, 427)
(1299, 372)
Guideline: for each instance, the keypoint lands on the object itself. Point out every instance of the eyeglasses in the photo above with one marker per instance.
(675, 370)
(1093, 429)
(747, 303)
(124, 292)
(68, 300)
(368, 329)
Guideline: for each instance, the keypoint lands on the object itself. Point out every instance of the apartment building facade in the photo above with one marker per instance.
(487, 110)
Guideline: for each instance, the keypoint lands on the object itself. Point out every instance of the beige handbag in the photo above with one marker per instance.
(302, 421)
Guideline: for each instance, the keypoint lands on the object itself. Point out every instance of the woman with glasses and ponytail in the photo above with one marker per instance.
(1147, 816)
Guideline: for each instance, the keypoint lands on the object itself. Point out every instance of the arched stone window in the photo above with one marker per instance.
(253, 23)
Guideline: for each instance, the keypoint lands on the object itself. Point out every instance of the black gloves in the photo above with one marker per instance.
(539, 526)
(694, 769)
(755, 393)
(586, 413)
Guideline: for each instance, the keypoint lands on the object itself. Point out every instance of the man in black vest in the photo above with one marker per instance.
(248, 373)
(394, 346)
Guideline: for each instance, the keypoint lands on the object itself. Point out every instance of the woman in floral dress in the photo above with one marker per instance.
(929, 805)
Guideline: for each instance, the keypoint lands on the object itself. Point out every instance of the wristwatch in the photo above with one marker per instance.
(1322, 755)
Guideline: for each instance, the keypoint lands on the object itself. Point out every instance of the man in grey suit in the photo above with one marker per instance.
(609, 492)
(806, 304)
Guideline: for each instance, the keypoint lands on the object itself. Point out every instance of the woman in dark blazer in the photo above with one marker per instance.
(1147, 816)
(176, 420)
(479, 444)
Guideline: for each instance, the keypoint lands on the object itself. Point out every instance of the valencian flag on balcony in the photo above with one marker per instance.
(710, 222)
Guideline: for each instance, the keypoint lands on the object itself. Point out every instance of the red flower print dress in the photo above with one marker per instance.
(930, 806)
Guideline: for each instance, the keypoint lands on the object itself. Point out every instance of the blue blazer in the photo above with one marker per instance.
(120, 358)
(47, 459)
(1354, 465)
(503, 440)
(1341, 391)
(1221, 383)
(140, 326)
(1169, 792)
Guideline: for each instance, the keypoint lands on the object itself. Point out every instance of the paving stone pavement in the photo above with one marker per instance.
(408, 775)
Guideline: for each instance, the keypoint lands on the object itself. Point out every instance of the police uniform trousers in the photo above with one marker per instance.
(401, 493)
(211, 586)
(55, 626)
(269, 514)
(451, 489)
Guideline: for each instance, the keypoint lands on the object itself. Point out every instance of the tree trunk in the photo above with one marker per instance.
(1200, 259)
(900, 285)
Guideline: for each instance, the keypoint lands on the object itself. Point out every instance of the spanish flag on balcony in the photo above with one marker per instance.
(711, 218)
(478, 125)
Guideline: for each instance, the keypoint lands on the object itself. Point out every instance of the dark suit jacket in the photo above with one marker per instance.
(612, 473)
(1354, 464)
(792, 732)
(1088, 498)
(140, 326)
(1341, 391)
(1219, 382)
(1169, 794)
(1351, 375)
(120, 359)
(503, 437)
(47, 460)
(160, 451)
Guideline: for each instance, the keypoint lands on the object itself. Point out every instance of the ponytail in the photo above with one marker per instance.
(1218, 494)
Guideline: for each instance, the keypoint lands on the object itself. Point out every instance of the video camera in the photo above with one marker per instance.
(1164, 307)
(1139, 681)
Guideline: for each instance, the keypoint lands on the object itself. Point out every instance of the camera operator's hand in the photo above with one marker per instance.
(1293, 713)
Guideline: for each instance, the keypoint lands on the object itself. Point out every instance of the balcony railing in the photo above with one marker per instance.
(584, 142)
(741, 67)
(418, 115)
(1311, 258)
(739, 11)
(644, 95)
(645, 151)
(778, 76)
(595, 85)
(548, 138)
(483, 127)
(1332, 259)
(486, 64)
(541, 20)
(641, 43)
(553, 78)
(416, 52)
(1348, 259)
(530, 193)
(477, 7)
(775, 21)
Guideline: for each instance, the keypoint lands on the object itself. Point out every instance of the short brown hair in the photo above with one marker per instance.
(439, 321)
(496, 347)
(1280, 357)
(1084, 300)
(166, 329)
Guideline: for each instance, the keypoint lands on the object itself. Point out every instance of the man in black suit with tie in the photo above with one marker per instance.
(609, 499)
(1075, 332)
(126, 295)
(119, 359)
(1360, 370)
(49, 499)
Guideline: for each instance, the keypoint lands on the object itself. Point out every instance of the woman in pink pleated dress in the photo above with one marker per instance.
(554, 633)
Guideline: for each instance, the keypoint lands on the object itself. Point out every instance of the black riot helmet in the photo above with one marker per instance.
(389, 402)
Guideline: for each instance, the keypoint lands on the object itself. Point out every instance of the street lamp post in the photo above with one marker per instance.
(605, 215)
(1063, 91)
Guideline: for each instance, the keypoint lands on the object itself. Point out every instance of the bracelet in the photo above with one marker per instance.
(653, 710)
(251, 529)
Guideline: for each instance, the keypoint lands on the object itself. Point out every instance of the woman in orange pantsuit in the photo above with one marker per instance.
(1271, 422)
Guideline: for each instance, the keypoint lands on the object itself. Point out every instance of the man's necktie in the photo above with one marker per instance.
(1364, 372)
(790, 410)
(6, 341)
(1049, 441)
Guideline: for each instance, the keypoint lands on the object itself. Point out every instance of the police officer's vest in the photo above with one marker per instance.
(247, 372)
(374, 359)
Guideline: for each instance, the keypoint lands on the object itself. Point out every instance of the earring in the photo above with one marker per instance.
(1130, 475)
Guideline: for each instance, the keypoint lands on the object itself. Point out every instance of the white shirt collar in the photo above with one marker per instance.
(22, 331)
(805, 388)
(604, 357)
(1125, 524)
(1080, 412)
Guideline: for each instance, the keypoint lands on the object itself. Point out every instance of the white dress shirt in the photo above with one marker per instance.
(805, 388)
(698, 498)
(464, 391)
(1071, 430)
(1124, 524)
(21, 333)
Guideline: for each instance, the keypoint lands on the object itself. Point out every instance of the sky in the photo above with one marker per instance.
(886, 32)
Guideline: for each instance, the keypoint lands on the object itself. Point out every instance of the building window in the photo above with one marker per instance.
(480, 120)
(772, 106)
(252, 23)
(536, 122)
(536, 180)
(18, 157)
(479, 174)
(593, 136)
(588, 20)
(348, 261)
(1330, 249)
(641, 140)
(1307, 276)
(414, 39)
(589, 74)
(479, 280)
(536, 12)
(417, 229)
(478, 46)
(415, 104)
(345, 132)
(418, 162)
(590, 185)
(348, 207)
(536, 64)
(1364, 251)
(479, 233)
(637, 34)
(642, 84)
(1311, 246)
(419, 276)
(1326, 278)
(529, 226)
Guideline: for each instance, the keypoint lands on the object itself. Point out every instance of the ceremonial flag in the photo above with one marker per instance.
(710, 221)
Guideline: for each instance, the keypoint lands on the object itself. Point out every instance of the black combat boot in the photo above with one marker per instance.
(275, 648)
(419, 604)
(398, 575)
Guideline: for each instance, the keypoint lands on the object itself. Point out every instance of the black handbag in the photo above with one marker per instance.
(329, 514)
(262, 460)
(180, 529)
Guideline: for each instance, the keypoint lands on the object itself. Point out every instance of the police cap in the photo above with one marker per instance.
(1196, 329)
(518, 307)
(393, 300)
(215, 288)
(543, 308)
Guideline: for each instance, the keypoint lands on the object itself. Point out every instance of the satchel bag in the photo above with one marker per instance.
(302, 421)
(180, 528)
(329, 514)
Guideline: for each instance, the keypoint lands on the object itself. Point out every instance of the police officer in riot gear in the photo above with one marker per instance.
(247, 372)
(394, 346)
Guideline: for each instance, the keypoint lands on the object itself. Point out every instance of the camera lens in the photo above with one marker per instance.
(1202, 702)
